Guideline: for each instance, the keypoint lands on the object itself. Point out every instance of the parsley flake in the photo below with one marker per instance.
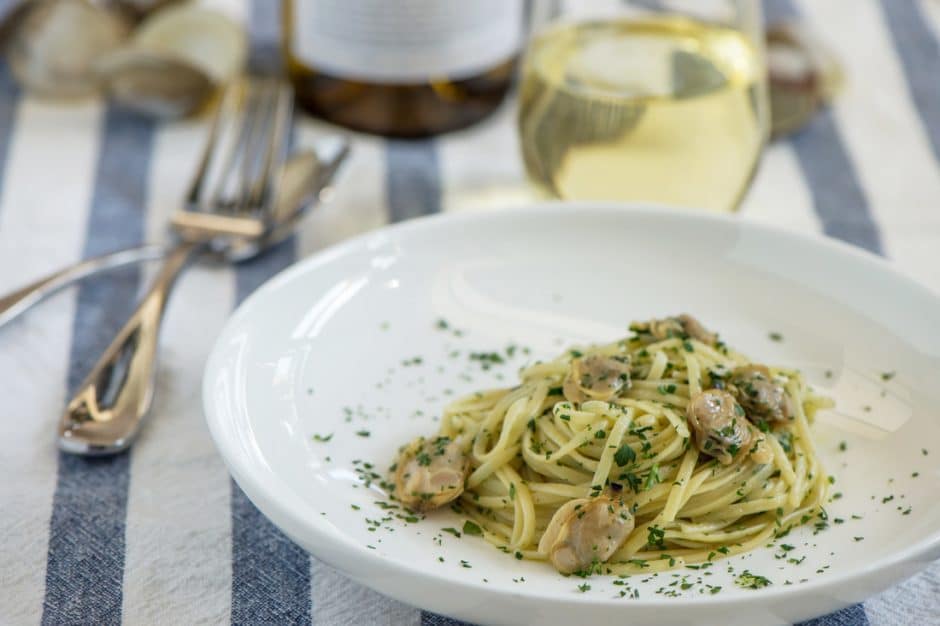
(749, 580)
(624, 455)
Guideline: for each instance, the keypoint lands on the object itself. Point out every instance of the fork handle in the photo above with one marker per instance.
(105, 414)
(17, 302)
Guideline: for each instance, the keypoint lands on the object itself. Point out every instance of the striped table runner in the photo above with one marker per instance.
(162, 535)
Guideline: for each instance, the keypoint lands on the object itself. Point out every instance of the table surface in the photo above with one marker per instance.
(162, 534)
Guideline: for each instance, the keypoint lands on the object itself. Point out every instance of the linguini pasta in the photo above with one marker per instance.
(614, 421)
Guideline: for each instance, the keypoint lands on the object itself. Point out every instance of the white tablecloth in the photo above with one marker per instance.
(161, 535)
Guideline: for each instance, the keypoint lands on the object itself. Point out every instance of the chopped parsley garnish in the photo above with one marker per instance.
(363, 433)
(842, 446)
(775, 336)
(666, 389)
(656, 537)
(487, 358)
(323, 438)
(886, 376)
(470, 528)
(453, 531)
(687, 346)
(423, 458)
(652, 478)
(633, 481)
(584, 587)
(749, 580)
(624, 455)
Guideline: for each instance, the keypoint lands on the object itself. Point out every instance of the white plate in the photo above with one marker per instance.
(320, 350)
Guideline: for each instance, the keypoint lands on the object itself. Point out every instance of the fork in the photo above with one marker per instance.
(231, 199)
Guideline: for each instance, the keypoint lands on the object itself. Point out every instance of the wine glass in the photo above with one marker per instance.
(646, 102)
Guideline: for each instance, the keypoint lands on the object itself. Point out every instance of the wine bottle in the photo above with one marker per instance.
(402, 68)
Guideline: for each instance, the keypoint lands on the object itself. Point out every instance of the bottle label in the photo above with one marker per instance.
(405, 41)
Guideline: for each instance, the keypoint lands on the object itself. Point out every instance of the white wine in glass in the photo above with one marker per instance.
(663, 108)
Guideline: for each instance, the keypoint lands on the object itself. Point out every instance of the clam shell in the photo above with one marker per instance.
(174, 61)
(205, 39)
(55, 45)
(136, 9)
(154, 84)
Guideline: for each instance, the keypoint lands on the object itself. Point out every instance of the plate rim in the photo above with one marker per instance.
(278, 512)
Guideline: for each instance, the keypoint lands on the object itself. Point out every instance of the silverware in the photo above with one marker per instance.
(232, 198)
(305, 177)
(18, 301)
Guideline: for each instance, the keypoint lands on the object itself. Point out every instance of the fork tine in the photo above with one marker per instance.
(263, 190)
(259, 137)
(227, 189)
(245, 187)
(225, 110)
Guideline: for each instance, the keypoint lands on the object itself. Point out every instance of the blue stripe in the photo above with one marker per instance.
(838, 199)
(412, 179)
(270, 573)
(432, 619)
(85, 562)
(412, 189)
(850, 616)
(779, 11)
(9, 96)
(837, 194)
(920, 56)
(840, 204)
(265, 35)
